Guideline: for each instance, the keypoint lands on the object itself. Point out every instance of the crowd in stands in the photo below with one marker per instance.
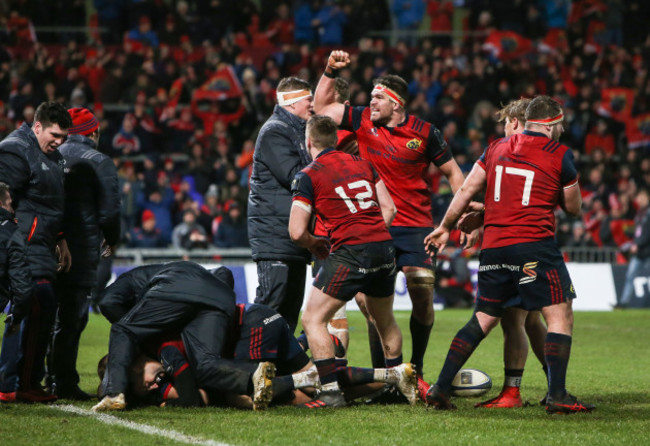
(181, 87)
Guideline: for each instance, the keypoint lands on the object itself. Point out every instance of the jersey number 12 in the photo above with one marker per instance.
(361, 197)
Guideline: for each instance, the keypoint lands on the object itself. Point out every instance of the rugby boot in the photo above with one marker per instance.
(407, 381)
(325, 399)
(423, 387)
(263, 385)
(568, 404)
(109, 403)
(389, 394)
(8, 397)
(437, 399)
(508, 398)
(35, 396)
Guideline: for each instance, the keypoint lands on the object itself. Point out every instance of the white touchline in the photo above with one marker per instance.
(144, 428)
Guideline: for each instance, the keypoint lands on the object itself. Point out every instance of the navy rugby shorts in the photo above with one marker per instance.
(409, 247)
(527, 275)
(368, 268)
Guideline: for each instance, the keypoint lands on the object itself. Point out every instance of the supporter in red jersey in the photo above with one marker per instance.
(356, 209)
(527, 176)
(518, 324)
(401, 148)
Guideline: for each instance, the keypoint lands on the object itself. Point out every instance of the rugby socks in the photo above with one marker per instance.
(420, 334)
(327, 373)
(557, 350)
(282, 385)
(394, 362)
(302, 340)
(466, 340)
(513, 377)
(352, 376)
(376, 349)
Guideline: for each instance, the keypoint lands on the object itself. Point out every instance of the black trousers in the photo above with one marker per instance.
(282, 287)
(203, 331)
(71, 320)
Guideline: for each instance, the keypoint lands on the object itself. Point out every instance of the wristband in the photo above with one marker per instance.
(334, 72)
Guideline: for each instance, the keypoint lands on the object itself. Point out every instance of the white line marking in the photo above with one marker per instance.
(144, 428)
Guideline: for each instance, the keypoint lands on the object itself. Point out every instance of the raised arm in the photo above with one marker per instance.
(324, 101)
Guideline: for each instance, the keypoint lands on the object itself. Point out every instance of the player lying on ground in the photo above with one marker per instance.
(263, 336)
(179, 297)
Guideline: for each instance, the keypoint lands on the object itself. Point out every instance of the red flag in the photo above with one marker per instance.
(617, 103)
(218, 99)
(507, 45)
(637, 130)
(555, 41)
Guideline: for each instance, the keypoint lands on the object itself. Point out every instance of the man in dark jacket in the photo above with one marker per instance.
(639, 249)
(92, 215)
(33, 168)
(280, 153)
(169, 298)
(15, 277)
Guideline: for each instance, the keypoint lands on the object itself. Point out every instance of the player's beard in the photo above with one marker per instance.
(556, 132)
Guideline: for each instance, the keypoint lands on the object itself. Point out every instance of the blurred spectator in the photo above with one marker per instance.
(159, 202)
(639, 248)
(147, 236)
(125, 141)
(232, 230)
(579, 237)
(143, 33)
(408, 14)
(329, 21)
(303, 15)
(600, 138)
(281, 29)
(189, 234)
(110, 14)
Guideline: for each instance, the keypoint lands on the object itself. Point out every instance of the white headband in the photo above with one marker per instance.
(291, 97)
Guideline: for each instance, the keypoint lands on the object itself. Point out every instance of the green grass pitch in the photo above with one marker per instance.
(610, 366)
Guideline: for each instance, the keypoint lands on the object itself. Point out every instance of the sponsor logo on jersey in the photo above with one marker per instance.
(373, 132)
(414, 144)
(44, 166)
(573, 290)
(529, 271)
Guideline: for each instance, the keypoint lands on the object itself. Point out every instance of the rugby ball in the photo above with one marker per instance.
(470, 382)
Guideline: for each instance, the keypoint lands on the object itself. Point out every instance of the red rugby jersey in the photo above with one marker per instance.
(526, 174)
(340, 189)
(401, 155)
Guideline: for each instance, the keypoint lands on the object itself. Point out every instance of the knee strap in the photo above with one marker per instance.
(420, 278)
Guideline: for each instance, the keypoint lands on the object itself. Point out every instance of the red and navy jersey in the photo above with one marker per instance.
(526, 174)
(402, 156)
(340, 189)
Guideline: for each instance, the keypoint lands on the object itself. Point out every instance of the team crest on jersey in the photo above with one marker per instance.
(414, 144)
(529, 271)
(373, 132)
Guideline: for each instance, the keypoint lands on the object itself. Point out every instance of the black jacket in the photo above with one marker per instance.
(280, 153)
(642, 235)
(174, 281)
(92, 206)
(15, 276)
(36, 182)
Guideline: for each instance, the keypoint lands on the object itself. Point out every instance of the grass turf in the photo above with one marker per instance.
(609, 367)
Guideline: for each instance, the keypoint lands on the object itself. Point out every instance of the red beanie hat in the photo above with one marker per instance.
(147, 215)
(83, 121)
